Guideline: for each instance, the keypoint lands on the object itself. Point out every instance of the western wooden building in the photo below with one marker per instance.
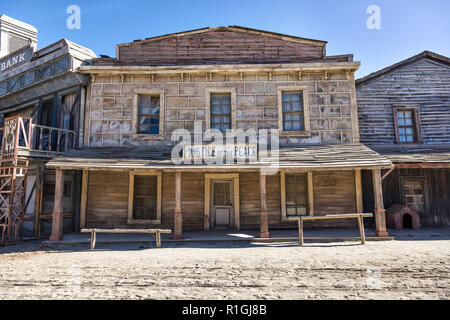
(41, 110)
(226, 79)
(404, 114)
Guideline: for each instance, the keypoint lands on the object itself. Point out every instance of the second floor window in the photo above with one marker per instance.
(221, 112)
(148, 115)
(292, 107)
(406, 125)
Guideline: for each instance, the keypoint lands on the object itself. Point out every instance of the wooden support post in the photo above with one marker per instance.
(158, 239)
(57, 221)
(361, 230)
(37, 200)
(264, 216)
(93, 239)
(83, 204)
(380, 213)
(310, 193)
(358, 191)
(300, 231)
(178, 216)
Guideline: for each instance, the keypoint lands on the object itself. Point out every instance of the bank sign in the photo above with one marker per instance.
(12, 61)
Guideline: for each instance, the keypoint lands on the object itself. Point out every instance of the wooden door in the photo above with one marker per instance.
(222, 204)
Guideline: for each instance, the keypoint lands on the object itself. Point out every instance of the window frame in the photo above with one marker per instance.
(306, 121)
(211, 91)
(135, 125)
(309, 195)
(417, 125)
(424, 182)
(130, 219)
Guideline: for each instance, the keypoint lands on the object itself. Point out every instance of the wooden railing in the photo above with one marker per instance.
(19, 133)
(52, 139)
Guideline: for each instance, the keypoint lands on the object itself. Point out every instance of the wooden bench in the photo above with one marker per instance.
(157, 232)
(358, 216)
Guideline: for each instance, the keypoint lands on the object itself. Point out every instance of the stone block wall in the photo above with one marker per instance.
(110, 107)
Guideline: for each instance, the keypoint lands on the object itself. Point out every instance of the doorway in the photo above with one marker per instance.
(222, 204)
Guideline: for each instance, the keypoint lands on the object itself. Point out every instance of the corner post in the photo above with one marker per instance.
(264, 218)
(57, 221)
(380, 212)
(178, 216)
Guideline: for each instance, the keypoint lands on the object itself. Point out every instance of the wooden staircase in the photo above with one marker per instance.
(13, 177)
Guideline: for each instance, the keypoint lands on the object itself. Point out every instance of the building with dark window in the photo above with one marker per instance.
(42, 101)
(404, 114)
(200, 86)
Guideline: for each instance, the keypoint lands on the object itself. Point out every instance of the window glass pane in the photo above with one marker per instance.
(296, 126)
(215, 109)
(296, 106)
(154, 129)
(29, 78)
(296, 194)
(215, 99)
(144, 110)
(154, 120)
(144, 101)
(292, 107)
(15, 84)
(220, 111)
(148, 118)
(61, 65)
(44, 71)
(287, 126)
(3, 88)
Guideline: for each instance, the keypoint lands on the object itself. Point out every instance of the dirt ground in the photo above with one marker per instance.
(379, 270)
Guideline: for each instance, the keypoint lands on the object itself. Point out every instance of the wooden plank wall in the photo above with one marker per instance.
(219, 46)
(425, 84)
(438, 186)
(107, 203)
(250, 200)
(334, 193)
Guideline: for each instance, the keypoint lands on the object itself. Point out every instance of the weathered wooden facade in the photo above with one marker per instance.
(42, 100)
(225, 78)
(404, 114)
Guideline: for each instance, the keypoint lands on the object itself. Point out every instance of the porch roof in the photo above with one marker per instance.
(343, 156)
(431, 155)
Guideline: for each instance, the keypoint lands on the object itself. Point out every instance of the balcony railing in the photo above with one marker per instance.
(52, 139)
(20, 134)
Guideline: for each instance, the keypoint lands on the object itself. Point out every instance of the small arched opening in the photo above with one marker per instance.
(407, 221)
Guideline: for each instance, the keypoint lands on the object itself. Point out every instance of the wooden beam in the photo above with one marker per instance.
(283, 195)
(380, 212)
(358, 191)
(37, 199)
(207, 200)
(264, 215)
(57, 221)
(236, 204)
(178, 216)
(83, 204)
(387, 173)
(424, 165)
(310, 193)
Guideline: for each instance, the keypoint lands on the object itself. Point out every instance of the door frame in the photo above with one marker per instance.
(208, 203)
(214, 207)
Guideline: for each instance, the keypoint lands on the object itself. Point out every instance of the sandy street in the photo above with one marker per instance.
(378, 270)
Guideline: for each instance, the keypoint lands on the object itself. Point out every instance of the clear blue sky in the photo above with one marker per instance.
(408, 27)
